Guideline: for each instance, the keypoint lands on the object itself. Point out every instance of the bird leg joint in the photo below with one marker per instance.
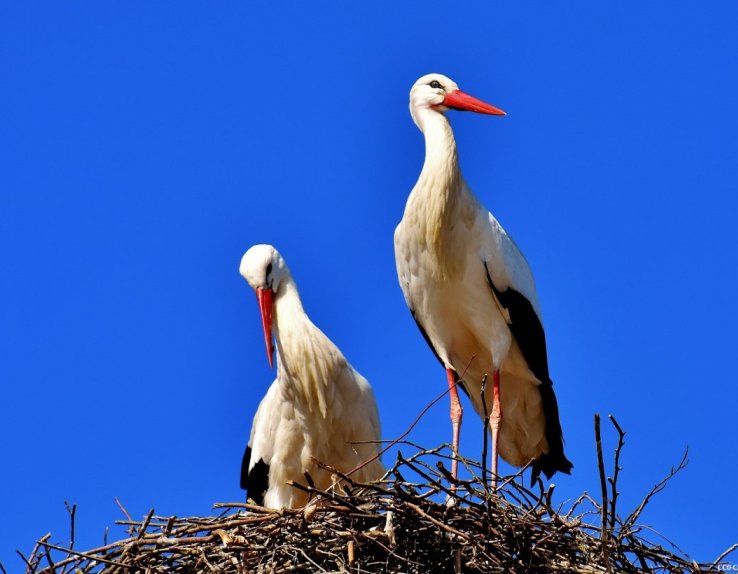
(457, 412)
(496, 414)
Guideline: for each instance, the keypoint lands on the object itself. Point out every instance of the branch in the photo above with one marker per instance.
(72, 512)
(630, 521)
(723, 555)
(603, 486)
(616, 472)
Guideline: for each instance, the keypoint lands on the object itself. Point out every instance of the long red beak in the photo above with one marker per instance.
(459, 100)
(265, 298)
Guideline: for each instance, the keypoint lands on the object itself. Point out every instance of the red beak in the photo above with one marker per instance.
(265, 298)
(459, 100)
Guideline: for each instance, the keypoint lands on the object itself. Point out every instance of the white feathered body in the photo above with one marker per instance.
(315, 409)
(442, 244)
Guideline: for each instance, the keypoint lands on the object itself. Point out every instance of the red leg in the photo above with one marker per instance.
(494, 424)
(456, 414)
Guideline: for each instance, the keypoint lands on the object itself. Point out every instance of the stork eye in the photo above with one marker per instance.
(268, 270)
(435, 84)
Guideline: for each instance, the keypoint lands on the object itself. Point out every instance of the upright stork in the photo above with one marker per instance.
(472, 295)
(318, 408)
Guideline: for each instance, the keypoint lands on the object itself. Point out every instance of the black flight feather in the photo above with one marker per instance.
(256, 482)
(528, 332)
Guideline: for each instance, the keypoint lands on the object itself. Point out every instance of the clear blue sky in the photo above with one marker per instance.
(147, 146)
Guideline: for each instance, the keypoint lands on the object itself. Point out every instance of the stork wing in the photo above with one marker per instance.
(259, 451)
(525, 326)
(511, 282)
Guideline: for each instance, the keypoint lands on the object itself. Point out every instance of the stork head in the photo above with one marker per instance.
(438, 93)
(264, 269)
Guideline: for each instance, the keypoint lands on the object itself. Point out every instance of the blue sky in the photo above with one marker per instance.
(147, 146)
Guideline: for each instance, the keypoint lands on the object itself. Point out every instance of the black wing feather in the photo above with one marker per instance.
(256, 482)
(528, 332)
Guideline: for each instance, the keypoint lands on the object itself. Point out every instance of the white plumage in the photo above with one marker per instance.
(318, 407)
(472, 293)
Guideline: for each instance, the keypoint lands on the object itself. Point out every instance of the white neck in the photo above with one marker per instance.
(441, 161)
(435, 200)
(306, 359)
(289, 318)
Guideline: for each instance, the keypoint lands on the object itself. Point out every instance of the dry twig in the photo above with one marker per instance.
(603, 485)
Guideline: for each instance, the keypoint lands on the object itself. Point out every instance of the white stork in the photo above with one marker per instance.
(472, 295)
(318, 408)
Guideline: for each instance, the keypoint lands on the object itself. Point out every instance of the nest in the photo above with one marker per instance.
(416, 520)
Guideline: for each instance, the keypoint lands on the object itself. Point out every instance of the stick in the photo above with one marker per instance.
(630, 521)
(616, 472)
(72, 511)
(603, 485)
(87, 556)
(723, 555)
(128, 516)
(145, 524)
